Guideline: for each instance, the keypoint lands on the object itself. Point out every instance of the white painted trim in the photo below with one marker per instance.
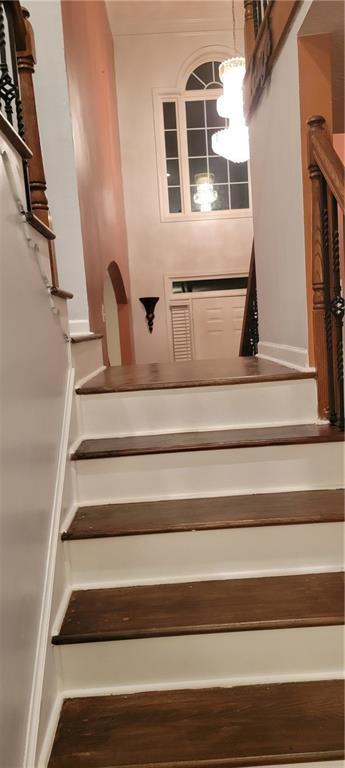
(49, 736)
(61, 610)
(80, 382)
(79, 327)
(43, 631)
(292, 357)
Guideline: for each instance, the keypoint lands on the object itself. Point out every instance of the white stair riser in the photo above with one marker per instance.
(226, 553)
(87, 358)
(207, 473)
(237, 658)
(171, 410)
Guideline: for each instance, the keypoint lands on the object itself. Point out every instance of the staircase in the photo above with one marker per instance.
(204, 625)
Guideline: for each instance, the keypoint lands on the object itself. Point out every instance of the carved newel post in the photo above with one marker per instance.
(26, 60)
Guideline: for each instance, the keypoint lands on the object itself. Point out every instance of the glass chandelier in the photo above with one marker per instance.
(232, 142)
(205, 194)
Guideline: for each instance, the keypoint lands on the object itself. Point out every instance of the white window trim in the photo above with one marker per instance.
(175, 95)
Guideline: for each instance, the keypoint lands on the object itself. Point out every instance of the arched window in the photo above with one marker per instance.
(187, 164)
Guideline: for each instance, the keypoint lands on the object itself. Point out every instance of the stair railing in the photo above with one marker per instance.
(326, 172)
(250, 327)
(254, 13)
(18, 106)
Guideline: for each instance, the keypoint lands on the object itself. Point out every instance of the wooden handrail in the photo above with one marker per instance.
(327, 188)
(250, 330)
(264, 37)
(327, 158)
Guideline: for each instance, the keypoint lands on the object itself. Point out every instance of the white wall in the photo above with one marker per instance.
(33, 383)
(156, 249)
(275, 139)
(53, 108)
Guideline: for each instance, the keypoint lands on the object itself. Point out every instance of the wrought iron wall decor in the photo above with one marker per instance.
(149, 302)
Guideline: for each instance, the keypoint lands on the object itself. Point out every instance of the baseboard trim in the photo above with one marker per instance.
(292, 357)
(49, 736)
(80, 382)
(79, 327)
(43, 632)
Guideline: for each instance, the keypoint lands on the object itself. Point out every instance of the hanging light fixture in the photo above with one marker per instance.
(205, 194)
(232, 142)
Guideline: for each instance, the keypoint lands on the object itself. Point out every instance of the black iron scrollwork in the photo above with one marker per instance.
(10, 101)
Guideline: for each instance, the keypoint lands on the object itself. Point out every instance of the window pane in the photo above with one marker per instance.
(213, 119)
(174, 200)
(219, 166)
(239, 196)
(169, 114)
(205, 72)
(216, 72)
(212, 85)
(171, 144)
(209, 284)
(173, 173)
(198, 165)
(209, 142)
(238, 171)
(195, 114)
(222, 202)
(193, 84)
(196, 143)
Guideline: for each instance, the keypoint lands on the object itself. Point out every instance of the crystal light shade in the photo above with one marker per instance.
(205, 194)
(232, 142)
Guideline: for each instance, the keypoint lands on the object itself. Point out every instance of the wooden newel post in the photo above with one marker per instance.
(318, 278)
(26, 60)
(249, 31)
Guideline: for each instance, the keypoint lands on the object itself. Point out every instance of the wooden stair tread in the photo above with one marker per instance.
(207, 728)
(148, 517)
(107, 447)
(189, 373)
(78, 339)
(203, 607)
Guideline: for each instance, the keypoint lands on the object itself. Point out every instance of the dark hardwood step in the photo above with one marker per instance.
(129, 519)
(108, 447)
(203, 607)
(78, 339)
(207, 728)
(189, 373)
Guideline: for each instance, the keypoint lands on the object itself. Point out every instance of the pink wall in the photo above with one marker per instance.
(92, 87)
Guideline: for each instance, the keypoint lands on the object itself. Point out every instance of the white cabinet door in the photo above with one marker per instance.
(217, 326)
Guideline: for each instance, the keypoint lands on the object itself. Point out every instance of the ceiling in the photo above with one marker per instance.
(133, 17)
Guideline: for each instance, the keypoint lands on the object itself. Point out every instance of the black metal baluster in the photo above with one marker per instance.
(13, 51)
(338, 311)
(254, 326)
(7, 87)
(256, 17)
(327, 300)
